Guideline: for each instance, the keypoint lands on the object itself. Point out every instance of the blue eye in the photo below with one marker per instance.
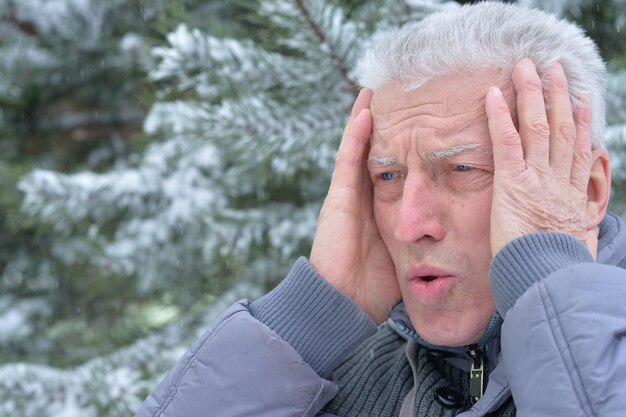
(463, 168)
(388, 176)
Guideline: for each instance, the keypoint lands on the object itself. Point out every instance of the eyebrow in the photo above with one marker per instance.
(384, 161)
(438, 154)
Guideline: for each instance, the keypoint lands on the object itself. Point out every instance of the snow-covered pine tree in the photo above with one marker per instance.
(74, 99)
(71, 77)
(55, 56)
(248, 132)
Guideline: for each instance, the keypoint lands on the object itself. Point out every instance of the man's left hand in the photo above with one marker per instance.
(542, 169)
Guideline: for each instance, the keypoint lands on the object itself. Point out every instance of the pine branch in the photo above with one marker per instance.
(341, 66)
(91, 120)
(112, 385)
(25, 26)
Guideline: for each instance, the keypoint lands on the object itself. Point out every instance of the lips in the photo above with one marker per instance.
(430, 285)
(426, 272)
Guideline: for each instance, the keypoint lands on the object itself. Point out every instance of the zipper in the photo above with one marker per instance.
(477, 372)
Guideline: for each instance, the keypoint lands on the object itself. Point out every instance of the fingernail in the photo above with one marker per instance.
(527, 64)
(554, 65)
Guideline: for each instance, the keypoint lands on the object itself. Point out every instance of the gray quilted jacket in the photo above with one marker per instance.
(561, 350)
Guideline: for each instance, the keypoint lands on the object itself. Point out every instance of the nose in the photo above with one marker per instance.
(422, 210)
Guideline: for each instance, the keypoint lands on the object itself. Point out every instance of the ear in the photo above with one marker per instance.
(599, 187)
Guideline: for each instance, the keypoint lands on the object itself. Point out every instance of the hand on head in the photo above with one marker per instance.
(547, 177)
(347, 249)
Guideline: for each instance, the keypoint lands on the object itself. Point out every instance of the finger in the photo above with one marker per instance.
(531, 113)
(362, 102)
(581, 162)
(350, 159)
(561, 122)
(508, 155)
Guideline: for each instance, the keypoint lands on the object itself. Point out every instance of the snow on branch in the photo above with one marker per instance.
(109, 386)
(212, 67)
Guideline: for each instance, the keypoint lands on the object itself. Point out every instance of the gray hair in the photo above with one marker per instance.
(486, 36)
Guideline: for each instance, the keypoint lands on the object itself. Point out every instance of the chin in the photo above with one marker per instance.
(452, 331)
(453, 340)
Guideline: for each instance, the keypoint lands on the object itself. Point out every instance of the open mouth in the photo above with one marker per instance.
(430, 285)
(429, 278)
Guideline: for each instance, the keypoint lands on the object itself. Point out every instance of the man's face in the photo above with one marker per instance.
(432, 168)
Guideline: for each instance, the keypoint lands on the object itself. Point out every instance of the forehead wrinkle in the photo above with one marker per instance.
(385, 122)
(396, 103)
(446, 153)
(395, 109)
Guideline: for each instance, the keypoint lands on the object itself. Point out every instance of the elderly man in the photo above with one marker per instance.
(467, 213)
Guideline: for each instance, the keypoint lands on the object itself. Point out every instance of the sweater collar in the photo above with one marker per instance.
(399, 320)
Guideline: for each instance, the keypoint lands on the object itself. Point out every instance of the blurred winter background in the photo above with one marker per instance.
(160, 159)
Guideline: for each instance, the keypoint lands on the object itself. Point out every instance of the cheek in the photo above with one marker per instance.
(385, 216)
(474, 213)
(473, 231)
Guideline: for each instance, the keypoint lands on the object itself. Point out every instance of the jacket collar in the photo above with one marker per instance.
(612, 241)
(456, 355)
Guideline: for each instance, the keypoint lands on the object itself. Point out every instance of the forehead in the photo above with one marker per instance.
(443, 112)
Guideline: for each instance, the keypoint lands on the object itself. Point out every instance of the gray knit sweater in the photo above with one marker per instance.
(376, 378)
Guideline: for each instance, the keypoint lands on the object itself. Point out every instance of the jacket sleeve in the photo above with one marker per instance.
(272, 357)
(564, 331)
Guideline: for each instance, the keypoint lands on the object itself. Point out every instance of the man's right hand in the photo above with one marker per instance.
(347, 249)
